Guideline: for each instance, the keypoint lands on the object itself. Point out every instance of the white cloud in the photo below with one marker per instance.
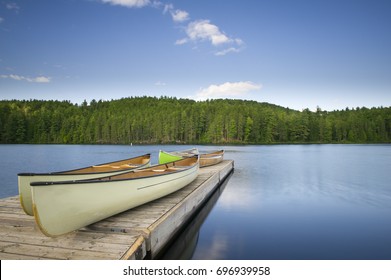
(1, 19)
(179, 16)
(167, 8)
(128, 3)
(226, 51)
(12, 6)
(227, 90)
(39, 79)
(160, 83)
(201, 30)
(181, 41)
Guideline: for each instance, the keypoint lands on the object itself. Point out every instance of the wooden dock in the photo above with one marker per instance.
(138, 233)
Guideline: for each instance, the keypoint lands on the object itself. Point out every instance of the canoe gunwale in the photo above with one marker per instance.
(68, 172)
(110, 178)
(212, 155)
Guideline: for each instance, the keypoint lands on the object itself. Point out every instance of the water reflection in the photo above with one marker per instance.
(303, 202)
(218, 249)
(184, 244)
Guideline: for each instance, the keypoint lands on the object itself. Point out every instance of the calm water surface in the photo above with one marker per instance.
(281, 202)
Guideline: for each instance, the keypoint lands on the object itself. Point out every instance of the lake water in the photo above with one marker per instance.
(281, 202)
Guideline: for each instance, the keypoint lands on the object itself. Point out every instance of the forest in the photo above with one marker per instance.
(152, 120)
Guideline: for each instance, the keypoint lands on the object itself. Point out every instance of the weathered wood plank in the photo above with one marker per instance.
(9, 256)
(81, 236)
(12, 215)
(85, 246)
(9, 199)
(54, 252)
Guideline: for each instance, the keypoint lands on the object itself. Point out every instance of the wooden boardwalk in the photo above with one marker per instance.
(138, 233)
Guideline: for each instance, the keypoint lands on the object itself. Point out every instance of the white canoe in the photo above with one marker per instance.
(211, 158)
(95, 171)
(62, 207)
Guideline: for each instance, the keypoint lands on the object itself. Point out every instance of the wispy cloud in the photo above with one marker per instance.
(12, 6)
(180, 15)
(203, 30)
(167, 8)
(197, 31)
(160, 83)
(39, 79)
(176, 14)
(128, 3)
(226, 51)
(227, 90)
(181, 41)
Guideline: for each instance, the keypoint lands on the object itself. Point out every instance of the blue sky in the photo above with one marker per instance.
(294, 53)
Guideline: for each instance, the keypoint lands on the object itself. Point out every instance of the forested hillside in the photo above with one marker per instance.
(151, 120)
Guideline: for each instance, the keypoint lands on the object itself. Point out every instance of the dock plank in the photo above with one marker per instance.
(133, 234)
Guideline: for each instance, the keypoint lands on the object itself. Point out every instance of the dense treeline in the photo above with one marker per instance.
(171, 120)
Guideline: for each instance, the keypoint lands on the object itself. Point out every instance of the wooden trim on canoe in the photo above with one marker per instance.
(153, 171)
(135, 162)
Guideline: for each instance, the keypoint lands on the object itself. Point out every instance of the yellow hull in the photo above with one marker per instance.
(97, 171)
(62, 207)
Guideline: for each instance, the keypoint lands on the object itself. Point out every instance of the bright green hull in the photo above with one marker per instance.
(167, 157)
